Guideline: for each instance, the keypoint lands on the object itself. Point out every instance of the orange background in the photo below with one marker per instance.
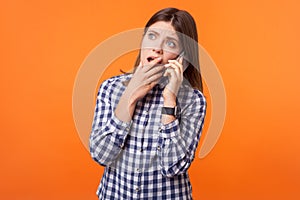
(255, 45)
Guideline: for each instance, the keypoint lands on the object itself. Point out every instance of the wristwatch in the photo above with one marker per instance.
(170, 111)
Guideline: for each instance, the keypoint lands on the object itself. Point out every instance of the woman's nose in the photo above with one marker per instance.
(157, 50)
(158, 46)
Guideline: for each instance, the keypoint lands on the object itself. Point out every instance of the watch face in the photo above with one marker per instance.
(169, 111)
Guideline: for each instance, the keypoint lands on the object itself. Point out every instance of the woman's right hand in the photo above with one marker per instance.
(144, 79)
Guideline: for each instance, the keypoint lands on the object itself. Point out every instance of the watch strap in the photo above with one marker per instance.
(169, 110)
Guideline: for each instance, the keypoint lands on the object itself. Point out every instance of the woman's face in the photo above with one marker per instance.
(160, 40)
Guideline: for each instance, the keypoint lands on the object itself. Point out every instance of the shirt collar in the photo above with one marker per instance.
(164, 81)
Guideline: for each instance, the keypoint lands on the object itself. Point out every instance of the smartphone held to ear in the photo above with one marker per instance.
(184, 64)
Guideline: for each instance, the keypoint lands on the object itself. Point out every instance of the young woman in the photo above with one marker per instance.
(147, 124)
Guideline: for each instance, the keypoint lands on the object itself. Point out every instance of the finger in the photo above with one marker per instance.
(154, 78)
(180, 65)
(159, 71)
(139, 67)
(173, 75)
(155, 60)
(167, 72)
(140, 64)
(152, 63)
(152, 84)
(154, 70)
(176, 68)
(177, 63)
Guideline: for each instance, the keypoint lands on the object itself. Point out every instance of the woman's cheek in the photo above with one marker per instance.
(169, 57)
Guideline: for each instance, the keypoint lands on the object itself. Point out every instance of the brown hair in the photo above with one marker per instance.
(183, 23)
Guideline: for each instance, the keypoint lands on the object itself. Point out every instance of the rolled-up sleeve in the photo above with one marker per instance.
(108, 133)
(179, 139)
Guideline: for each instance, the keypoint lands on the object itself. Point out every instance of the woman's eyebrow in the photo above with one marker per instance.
(172, 35)
(151, 30)
(172, 38)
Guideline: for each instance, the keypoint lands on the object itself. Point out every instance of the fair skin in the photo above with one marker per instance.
(160, 47)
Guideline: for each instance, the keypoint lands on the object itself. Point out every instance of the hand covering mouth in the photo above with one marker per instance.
(151, 58)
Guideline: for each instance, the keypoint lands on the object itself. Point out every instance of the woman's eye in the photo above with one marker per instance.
(171, 44)
(151, 36)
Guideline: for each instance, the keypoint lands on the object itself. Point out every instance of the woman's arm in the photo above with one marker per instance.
(111, 126)
(143, 80)
(178, 140)
(108, 133)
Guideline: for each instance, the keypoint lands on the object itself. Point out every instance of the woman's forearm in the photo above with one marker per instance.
(125, 108)
(169, 101)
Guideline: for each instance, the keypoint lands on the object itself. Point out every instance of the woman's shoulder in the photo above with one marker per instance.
(198, 94)
(189, 96)
(188, 91)
(117, 79)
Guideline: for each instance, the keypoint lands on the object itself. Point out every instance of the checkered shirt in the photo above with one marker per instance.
(145, 159)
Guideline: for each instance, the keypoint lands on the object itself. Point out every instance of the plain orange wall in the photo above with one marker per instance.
(255, 45)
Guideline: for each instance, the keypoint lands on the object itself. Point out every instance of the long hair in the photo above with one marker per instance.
(183, 23)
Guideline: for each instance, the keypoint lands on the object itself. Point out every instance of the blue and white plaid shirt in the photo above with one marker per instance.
(144, 158)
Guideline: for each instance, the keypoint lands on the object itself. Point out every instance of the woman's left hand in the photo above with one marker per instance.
(174, 72)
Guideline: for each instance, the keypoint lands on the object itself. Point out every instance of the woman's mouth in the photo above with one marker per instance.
(151, 58)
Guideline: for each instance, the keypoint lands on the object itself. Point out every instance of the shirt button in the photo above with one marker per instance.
(127, 128)
(121, 146)
(159, 130)
(158, 148)
(137, 170)
(137, 189)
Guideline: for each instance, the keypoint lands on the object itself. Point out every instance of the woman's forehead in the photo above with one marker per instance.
(162, 26)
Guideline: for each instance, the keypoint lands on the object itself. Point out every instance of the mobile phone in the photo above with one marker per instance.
(184, 64)
(180, 55)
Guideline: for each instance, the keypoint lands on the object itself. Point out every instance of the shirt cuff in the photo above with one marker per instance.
(169, 130)
(120, 129)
